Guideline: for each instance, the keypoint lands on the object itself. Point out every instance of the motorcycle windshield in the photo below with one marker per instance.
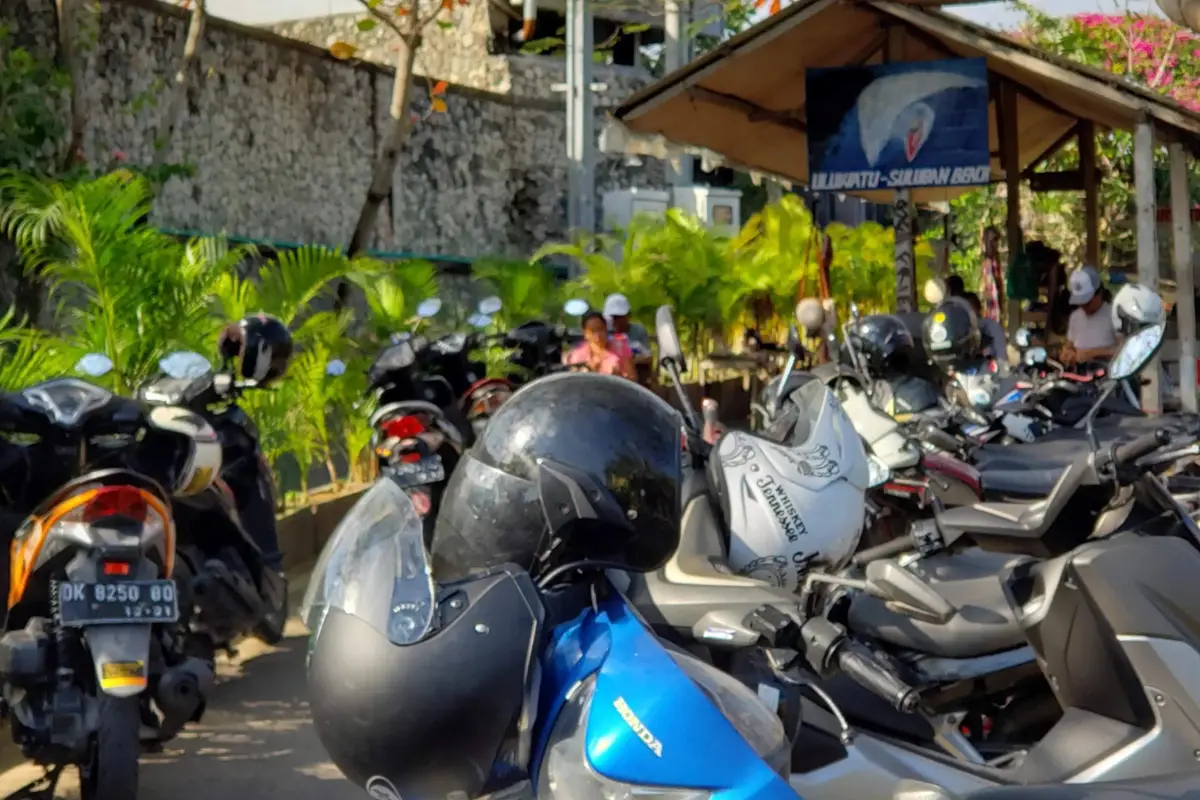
(375, 567)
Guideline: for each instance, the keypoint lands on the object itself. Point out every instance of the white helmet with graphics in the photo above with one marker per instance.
(792, 506)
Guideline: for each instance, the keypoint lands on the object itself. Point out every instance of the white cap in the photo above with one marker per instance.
(616, 305)
(1083, 284)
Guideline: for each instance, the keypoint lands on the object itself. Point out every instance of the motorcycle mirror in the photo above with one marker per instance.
(878, 473)
(490, 305)
(853, 310)
(479, 320)
(669, 348)
(335, 367)
(1022, 337)
(1137, 352)
(184, 365)
(575, 307)
(94, 364)
(906, 593)
(794, 345)
(428, 308)
(1035, 356)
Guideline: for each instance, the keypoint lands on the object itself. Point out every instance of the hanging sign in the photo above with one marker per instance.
(898, 126)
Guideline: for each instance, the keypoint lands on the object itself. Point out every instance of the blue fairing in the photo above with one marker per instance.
(700, 749)
(1013, 396)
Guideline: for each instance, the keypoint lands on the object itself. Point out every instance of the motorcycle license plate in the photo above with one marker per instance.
(418, 473)
(116, 603)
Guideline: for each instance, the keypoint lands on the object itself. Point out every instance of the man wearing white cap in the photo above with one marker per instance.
(1090, 332)
(630, 339)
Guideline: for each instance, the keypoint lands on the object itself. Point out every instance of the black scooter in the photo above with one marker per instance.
(228, 589)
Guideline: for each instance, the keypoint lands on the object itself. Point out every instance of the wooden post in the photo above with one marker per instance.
(1010, 162)
(1091, 199)
(903, 212)
(1185, 285)
(906, 273)
(1147, 241)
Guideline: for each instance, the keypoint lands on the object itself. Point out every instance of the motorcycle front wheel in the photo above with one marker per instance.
(112, 769)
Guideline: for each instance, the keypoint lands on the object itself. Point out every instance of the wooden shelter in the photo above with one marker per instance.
(746, 100)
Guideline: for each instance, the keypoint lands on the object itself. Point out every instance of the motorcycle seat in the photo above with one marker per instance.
(1180, 786)
(970, 583)
(1063, 446)
(1033, 481)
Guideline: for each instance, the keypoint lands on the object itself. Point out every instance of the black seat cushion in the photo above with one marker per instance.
(1032, 482)
(970, 582)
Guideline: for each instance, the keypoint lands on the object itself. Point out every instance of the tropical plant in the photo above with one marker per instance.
(527, 290)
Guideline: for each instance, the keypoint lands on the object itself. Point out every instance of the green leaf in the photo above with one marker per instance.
(635, 27)
(542, 45)
(365, 25)
(444, 24)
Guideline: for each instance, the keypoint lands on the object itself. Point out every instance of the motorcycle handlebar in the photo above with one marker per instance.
(1144, 445)
(901, 544)
(865, 670)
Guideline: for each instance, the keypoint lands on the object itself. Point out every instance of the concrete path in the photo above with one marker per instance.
(256, 740)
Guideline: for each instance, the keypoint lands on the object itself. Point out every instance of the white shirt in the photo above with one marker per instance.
(994, 339)
(1089, 332)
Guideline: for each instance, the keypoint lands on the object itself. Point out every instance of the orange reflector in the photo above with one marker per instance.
(116, 568)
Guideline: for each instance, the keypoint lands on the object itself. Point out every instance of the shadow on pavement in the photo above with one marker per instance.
(256, 739)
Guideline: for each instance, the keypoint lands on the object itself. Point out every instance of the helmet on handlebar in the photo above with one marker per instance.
(1135, 307)
(261, 347)
(950, 333)
(885, 343)
(615, 442)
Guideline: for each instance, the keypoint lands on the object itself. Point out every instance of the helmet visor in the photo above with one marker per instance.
(375, 567)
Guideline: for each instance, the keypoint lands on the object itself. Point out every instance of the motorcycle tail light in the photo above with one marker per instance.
(120, 568)
(403, 427)
(67, 524)
(116, 501)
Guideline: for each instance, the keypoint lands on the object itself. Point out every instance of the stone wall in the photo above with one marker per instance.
(461, 55)
(282, 137)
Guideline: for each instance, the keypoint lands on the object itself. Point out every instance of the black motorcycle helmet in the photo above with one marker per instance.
(885, 343)
(950, 334)
(418, 687)
(260, 346)
(614, 447)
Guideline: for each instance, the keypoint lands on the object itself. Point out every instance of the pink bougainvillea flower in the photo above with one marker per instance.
(119, 156)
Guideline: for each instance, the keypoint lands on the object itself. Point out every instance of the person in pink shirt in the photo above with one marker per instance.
(595, 351)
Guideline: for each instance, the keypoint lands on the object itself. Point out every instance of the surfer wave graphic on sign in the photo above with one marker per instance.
(893, 108)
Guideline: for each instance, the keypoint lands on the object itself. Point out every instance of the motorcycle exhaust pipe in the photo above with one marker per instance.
(181, 695)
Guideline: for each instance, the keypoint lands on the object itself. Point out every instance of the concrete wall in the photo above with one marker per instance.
(282, 137)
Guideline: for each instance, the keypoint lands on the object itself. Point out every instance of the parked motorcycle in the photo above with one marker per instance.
(937, 630)
(91, 666)
(228, 591)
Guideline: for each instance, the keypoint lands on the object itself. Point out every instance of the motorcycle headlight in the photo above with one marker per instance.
(566, 773)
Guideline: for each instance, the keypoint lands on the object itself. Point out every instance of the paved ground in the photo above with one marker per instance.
(256, 740)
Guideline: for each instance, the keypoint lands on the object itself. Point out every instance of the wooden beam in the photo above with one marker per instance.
(1028, 172)
(1070, 180)
(1147, 240)
(1010, 162)
(1091, 192)
(754, 113)
(1185, 282)
(1050, 68)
